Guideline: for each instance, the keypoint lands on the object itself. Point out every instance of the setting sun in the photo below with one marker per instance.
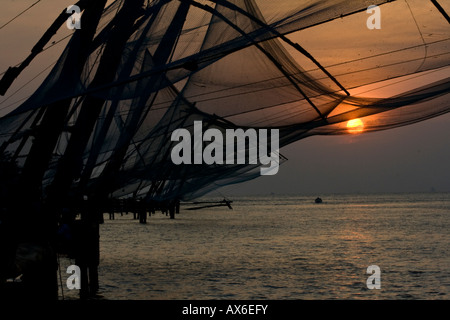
(355, 126)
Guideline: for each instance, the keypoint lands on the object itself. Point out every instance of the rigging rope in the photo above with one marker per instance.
(20, 14)
(441, 10)
(24, 85)
(421, 35)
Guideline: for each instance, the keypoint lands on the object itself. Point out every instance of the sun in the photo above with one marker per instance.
(355, 126)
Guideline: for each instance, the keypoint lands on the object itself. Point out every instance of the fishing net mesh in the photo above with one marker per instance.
(303, 67)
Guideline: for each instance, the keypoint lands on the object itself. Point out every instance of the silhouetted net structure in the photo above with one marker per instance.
(101, 122)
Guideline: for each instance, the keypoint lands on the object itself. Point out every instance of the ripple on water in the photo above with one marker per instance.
(301, 252)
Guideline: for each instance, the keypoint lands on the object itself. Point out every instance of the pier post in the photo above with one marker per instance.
(172, 211)
(88, 248)
(142, 215)
(177, 206)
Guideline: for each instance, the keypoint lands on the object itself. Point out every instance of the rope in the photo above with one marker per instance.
(23, 86)
(421, 35)
(441, 10)
(19, 14)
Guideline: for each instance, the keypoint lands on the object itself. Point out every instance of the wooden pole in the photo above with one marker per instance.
(87, 254)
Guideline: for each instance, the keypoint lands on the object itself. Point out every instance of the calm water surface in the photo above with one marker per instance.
(282, 247)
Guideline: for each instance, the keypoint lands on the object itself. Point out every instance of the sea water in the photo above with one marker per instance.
(281, 247)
